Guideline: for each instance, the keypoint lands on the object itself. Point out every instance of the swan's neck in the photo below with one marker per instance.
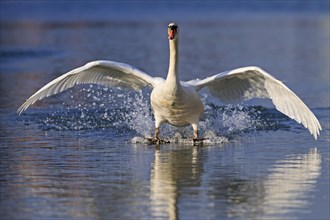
(172, 76)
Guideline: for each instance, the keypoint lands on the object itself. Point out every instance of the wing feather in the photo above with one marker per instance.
(253, 82)
(107, 73)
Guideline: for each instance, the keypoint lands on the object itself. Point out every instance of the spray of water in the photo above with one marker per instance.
(129, 114)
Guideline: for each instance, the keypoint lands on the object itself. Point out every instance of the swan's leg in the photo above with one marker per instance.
(195, 127)
(196, 139)
(156, 133)
(157, 128)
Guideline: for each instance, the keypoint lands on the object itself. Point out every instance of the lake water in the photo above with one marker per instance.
(71, 156)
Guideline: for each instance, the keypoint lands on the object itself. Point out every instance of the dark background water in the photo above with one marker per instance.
(70, 156)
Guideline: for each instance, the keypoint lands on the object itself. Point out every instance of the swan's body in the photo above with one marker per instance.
(179, 103)
(179, 106)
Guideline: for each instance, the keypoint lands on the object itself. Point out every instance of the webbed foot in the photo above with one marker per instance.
(156, 141)
(199, 141)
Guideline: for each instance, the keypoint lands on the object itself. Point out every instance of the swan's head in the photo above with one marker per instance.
(172, 31)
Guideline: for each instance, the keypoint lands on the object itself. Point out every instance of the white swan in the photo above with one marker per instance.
(177, 102)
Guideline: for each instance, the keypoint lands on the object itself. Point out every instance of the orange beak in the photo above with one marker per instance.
(171, 33)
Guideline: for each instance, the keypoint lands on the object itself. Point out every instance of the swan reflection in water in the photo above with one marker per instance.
(177, 173)
(172, 171)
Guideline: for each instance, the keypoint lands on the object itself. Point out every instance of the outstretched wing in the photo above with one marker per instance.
(253, 82)
(108, 73)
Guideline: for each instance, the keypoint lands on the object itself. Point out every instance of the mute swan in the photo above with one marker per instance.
(178, 103)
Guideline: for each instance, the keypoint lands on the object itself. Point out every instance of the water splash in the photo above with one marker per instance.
(127, 113)
(95, 107)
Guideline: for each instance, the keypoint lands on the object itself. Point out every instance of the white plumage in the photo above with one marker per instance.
(178, 103)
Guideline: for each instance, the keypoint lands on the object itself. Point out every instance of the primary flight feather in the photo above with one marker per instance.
(179, 103)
